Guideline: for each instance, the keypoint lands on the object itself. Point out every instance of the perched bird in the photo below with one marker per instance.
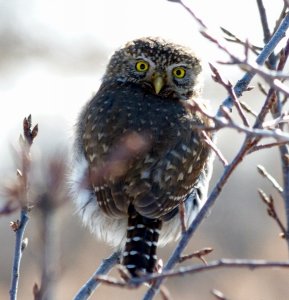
(139, 152)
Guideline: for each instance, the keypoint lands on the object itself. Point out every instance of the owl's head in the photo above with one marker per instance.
(158, 66)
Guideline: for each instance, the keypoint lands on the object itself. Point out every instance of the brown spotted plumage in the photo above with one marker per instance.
(138, 148)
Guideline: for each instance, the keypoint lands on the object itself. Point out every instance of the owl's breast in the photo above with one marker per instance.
(124, 109)
(170, 162)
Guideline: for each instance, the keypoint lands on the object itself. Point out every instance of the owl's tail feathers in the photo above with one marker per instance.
(140, 249)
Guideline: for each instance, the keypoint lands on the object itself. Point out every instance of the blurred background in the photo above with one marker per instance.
(52, 57)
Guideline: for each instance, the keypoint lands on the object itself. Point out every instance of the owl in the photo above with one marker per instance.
(139, 152)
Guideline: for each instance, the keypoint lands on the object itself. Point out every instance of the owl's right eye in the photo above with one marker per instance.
(142, 66)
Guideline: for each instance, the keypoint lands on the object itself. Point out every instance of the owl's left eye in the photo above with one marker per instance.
(142, 66)
(179, 72)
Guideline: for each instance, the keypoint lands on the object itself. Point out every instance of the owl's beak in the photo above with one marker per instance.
(158, 82)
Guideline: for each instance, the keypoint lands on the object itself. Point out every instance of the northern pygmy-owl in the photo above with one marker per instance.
(138, 152)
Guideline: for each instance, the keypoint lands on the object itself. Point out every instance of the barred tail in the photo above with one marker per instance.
(141, 244)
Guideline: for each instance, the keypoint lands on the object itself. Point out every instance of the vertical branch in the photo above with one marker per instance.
(20, 226)
(285, 171)
(284, 154)
(283, 149)
(266, 30)
(264, 21)
(24, 218)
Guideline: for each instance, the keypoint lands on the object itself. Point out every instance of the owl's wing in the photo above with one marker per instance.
(171, 179)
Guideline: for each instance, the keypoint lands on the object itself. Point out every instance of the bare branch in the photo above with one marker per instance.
(229, 87)
(243, 83)
(250, 264)
(252, 68)
(266, 146)
(199, 21)
(274, 182)
(25, 144)
(198, 254)
(262, 89)
(248, 109)
(182, 216)
(269, 201)
(264, 21)
(227, 122)
(234, 39)
(89, 287)
(214, 147)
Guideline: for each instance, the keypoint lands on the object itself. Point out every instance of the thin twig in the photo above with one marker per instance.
(250, 264)
(234, 39)
(89, 287)
(248, 109)
(26, 141)
(198, 254)
(269, 201)
(284, 151)
(283, 57)
(264, 21)
(113, 281)
(281, 17)
(266, 32)
(262, 89)
(266, 146)
(182, 216)
(227, 122)
(243, 83)
(273, 181)
(214, 147)
(199, 21)
(274, 123)
(165, 293)
(252, 69)
(229, 87)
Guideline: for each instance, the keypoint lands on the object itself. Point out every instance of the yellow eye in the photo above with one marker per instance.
(179, 72)
(142, 66)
